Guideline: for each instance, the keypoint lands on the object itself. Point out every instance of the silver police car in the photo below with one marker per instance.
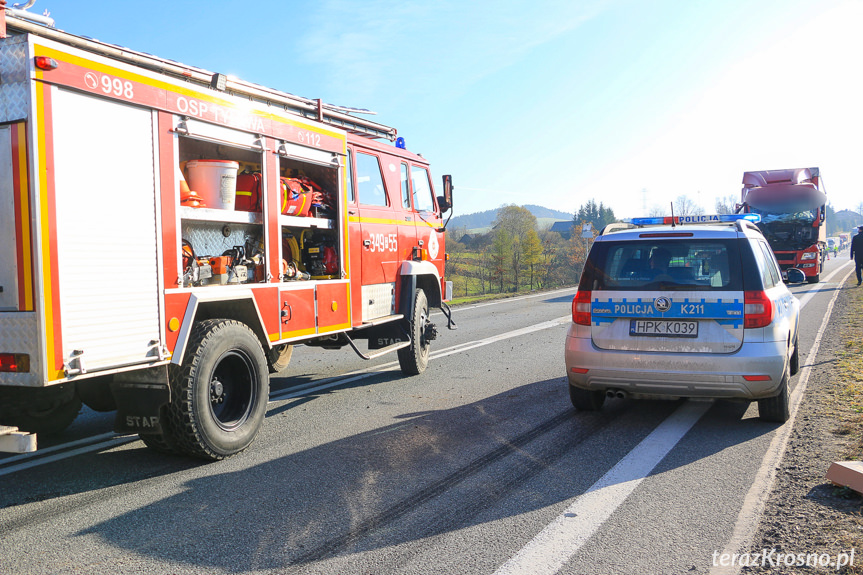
(689, 306)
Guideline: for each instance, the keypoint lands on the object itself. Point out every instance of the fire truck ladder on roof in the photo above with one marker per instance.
(337, 116)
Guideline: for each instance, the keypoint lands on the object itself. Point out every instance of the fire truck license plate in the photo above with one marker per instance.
(663, 328)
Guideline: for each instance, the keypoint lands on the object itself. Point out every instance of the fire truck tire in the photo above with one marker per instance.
(43, 411)
(415, 358)
(279, 357)
(219, 394)
(814, 279)
(158, 442)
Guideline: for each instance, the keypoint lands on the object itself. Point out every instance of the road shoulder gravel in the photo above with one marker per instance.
(805, 513)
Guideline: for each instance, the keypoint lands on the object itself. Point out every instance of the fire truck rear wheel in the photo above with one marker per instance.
(220, 392)
(415, 358)
(158, 442)
(43, 411)
(279, 357)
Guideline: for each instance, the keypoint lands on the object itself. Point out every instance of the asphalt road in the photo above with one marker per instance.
(479, 465)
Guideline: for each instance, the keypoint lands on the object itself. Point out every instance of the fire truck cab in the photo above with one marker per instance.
(169, 234)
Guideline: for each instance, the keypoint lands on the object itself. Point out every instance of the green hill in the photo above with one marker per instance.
(482, 221)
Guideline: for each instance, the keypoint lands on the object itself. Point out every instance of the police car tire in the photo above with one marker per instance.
(586, 399)
(794, 364)
(227, 351)
(775, 409)
(415, 358)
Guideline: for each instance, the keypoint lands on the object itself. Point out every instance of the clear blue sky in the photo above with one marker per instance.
(627, 102)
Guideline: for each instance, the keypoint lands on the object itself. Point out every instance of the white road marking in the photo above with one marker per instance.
(109, 440)
(756, 498)
(394, 365)
(568, 532)
(558, 542)
(811, 292)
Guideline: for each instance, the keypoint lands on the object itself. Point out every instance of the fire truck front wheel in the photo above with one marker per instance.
(415, 358)
(219, 394)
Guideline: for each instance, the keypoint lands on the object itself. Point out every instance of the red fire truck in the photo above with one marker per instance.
(168, 234)
(793, 209)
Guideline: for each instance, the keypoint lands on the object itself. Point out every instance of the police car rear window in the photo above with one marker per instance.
(691, 264)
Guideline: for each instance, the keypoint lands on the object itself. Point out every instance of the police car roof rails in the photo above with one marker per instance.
(616, 226)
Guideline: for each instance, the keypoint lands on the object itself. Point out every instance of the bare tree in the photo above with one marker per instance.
(657, 211)
(726, 204)
(684, 206)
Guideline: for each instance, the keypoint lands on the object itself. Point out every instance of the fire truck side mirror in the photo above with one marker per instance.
(444, 202)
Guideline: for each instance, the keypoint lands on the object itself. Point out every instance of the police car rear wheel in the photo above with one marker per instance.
(775, 409)
(586, 399)
(794, 364)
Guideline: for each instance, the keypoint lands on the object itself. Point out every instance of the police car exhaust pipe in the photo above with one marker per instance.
(620, 394)
(615, 393)
(609, 393)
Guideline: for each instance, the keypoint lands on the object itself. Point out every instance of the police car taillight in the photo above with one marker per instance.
(757, 309)
(581, 308)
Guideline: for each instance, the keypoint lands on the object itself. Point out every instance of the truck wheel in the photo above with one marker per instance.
(586, 399)
(279, 357)
(220, 392)
(415, 358)
(43, 410)
(158, 442)
(814, 279)
(775, 409)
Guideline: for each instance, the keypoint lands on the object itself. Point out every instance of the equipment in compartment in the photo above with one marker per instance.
(319, 254)
(196, 270)
(189, 197)
(309, 255)
(248, 197)
(292, 267)
(240, 264)
(290, 272)
(215, 181)
(296, 197)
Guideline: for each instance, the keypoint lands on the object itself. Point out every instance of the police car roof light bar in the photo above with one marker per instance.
(703, 219)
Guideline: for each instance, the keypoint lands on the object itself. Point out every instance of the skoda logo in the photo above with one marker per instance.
(662, 304)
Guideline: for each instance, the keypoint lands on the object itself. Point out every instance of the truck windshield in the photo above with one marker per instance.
(781, 213)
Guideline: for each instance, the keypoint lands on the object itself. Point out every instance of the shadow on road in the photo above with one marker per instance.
(428, 473)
